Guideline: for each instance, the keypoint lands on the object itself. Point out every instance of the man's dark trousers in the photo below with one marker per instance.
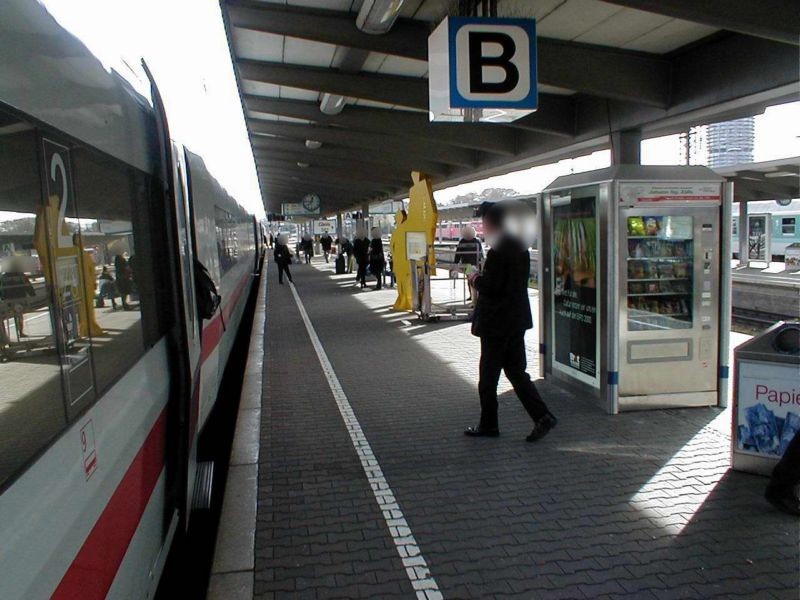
(506, 354)
(786, 473)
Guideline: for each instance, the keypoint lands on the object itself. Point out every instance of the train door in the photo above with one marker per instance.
(185, 354)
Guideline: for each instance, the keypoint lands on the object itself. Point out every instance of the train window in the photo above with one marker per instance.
(118, 247)
(227, 239)
(31, 325)
(788, 225)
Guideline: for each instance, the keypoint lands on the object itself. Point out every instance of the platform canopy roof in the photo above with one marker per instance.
(655, 65)
(768, 180)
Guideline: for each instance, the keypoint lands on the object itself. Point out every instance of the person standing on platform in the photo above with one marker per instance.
(15, 288)
(377, 260)
(361, 252)
(326, 241)
(307, 245)
(469, 252)
(271, 239)
(502, 315)
(782, 487)
(283, 257)
(346, 248)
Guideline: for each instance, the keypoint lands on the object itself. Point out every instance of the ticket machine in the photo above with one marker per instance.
(635, 285)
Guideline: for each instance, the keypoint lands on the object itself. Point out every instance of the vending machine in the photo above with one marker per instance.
(636, 285)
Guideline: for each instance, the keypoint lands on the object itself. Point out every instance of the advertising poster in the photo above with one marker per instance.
(574, 285)
(768, 408)
(757, 237)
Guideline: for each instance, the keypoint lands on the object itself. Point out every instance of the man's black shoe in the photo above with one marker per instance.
(542, 427)
(783, 500)
(481, 432)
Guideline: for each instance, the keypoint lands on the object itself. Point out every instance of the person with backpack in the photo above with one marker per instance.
(346, 249)
(283, 257)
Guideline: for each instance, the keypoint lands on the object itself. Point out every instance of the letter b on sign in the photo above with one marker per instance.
(493, 63)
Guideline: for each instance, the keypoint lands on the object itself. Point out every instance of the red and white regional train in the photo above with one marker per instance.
(101, 406)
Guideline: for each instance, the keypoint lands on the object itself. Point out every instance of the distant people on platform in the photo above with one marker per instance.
(283, 257)
(502, 315)
(469, 252)
(346, 249)
(361, 245)
(307, 246)
(782, 489)
(326, 241)
(15, 289)
(377, 260)
(271, 239)
(108, 289)
(124, 274)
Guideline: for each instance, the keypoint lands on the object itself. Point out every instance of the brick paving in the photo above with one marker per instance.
(638, 505)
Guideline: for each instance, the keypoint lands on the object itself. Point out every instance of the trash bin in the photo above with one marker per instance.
(766, 397)
(791, 257)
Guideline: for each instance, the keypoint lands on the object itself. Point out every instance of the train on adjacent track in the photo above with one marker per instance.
(110, 368)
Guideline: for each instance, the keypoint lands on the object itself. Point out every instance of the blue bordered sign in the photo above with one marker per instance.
(482, 69)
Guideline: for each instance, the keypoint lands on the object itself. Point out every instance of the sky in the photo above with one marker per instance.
(184, 43)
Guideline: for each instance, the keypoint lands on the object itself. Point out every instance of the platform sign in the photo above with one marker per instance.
(416, 245)
(482, 69)
(324, 226)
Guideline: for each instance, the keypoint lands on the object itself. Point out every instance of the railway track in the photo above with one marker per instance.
(756, 318)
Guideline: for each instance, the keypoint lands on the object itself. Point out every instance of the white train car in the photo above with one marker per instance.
(101, 404)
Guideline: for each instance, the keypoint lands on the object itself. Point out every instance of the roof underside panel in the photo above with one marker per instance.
(655, 65)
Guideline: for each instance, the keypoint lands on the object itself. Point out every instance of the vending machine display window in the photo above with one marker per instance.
(660, 272)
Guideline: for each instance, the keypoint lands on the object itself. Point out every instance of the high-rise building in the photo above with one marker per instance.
(731, 142)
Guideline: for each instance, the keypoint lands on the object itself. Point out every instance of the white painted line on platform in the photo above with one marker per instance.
(416, 567)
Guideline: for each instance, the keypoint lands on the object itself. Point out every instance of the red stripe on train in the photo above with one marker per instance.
(94, 568)
(92, 572)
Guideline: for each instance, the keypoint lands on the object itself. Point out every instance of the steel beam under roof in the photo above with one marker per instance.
(698, 75)
(605, 72)
(487, 137)
(776, 20)
(375, 142)
(349, 154)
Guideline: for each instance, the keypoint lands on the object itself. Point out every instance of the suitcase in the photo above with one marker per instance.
(340, 265)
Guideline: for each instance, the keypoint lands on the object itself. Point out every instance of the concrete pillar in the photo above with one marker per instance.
(339, 225)
(365, 216)
(743, 260)
(626, 147)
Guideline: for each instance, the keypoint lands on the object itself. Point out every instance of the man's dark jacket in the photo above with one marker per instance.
(503, 308)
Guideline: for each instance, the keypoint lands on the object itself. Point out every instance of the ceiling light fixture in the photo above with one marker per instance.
(313, 144)
(331, 104)
(302, 165)
(377, 16)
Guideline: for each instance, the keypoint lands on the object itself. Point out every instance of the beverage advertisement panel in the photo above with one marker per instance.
(575, 287)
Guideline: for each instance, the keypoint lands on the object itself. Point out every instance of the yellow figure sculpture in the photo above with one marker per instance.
(72, 272)
(421, 217)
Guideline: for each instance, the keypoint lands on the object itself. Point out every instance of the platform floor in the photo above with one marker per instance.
(393, 501)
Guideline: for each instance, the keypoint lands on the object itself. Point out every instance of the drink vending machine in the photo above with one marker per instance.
(635, 285)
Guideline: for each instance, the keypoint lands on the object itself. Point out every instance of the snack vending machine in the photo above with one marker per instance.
(636, 293)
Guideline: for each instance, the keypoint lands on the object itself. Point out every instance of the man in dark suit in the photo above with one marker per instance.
(502, 315)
